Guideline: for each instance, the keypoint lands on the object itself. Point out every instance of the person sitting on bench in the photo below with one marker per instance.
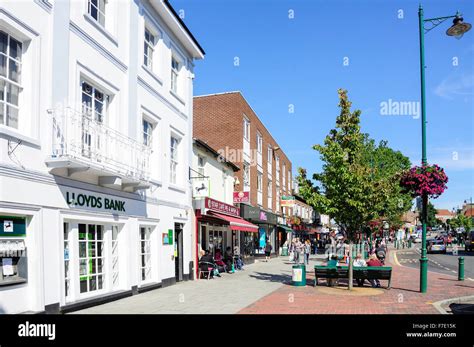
(373, 261)
(359, 262)
(332, 263)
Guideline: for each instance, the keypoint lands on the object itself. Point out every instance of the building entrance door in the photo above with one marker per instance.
(178, 244)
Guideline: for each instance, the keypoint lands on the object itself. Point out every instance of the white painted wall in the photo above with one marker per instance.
(62, 45)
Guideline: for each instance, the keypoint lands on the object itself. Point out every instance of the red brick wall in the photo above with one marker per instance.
(218, 120)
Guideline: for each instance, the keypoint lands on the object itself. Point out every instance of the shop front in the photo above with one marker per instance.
(89, 245)
(219, 226)
(267, 228)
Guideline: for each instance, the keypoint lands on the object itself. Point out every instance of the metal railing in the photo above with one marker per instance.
(79, 135)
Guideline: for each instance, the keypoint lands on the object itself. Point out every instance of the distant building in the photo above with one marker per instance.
(444, 215)
(227, 123)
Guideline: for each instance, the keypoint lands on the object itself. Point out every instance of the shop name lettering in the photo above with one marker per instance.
(95, 202)
(218, 206)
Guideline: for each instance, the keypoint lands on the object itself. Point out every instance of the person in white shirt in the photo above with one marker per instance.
(359, 262)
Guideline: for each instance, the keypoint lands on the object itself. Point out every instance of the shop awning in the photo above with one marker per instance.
(236, 223)
(284, 227)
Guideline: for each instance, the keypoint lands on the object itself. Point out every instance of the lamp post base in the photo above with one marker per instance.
(423, 274)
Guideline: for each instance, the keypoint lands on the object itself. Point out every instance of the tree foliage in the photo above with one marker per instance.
(359, 181)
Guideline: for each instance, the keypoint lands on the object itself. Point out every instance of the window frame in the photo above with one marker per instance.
(148, 57)
(175, 74)
(259, 182)
(92, 110)
(148, 136)
(246, 175)
(246, 125)
(259, 143)
(269, 154)
(99, 11)
(148, 243)
(8, 83)
(174, 159)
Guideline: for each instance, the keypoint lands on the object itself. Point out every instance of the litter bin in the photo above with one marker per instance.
(299, 275)
(284, 251)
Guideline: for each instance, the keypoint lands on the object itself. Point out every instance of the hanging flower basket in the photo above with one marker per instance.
(429, 179)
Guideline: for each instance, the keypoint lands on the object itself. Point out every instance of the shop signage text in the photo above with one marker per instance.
(91, 201)
(287, 201)
(240, 197)
(221, 207)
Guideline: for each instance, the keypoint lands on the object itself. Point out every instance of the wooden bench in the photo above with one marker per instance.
(363, 273)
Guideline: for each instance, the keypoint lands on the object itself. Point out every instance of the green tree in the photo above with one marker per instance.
(346, 191)
(386, 165)
(358, 182)
(431, 222)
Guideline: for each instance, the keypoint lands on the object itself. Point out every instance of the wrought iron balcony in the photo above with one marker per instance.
(83, 146)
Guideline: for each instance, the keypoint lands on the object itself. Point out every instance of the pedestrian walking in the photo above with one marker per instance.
(268, 250)
(298, 250)
(307, 252)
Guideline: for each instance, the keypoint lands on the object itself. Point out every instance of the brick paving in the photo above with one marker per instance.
(403, 298)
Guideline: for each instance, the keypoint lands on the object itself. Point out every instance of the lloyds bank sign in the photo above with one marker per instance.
(91, 201)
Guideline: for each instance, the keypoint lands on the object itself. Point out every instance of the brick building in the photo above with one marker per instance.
(227, 123)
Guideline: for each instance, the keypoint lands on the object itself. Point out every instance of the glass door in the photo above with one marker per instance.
(91, 258)
(145, 254)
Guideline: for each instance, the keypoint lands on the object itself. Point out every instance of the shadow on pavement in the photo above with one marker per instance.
(285, 279)
(462, 308)
(406, 290)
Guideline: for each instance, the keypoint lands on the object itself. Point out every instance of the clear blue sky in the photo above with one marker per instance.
(300, 61)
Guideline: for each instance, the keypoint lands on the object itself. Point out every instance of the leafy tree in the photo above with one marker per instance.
(358, 180)
(431, 222)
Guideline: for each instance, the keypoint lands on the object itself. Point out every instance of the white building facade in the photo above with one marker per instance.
(218, 224)
(96, 136)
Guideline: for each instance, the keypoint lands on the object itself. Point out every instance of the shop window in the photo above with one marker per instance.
(145, 253)
(91, 257)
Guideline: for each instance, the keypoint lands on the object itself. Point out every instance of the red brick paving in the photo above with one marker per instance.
(403, 298)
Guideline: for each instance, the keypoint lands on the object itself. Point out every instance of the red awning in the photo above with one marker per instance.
(237, 223)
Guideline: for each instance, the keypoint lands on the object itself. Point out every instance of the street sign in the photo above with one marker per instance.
(240, 197)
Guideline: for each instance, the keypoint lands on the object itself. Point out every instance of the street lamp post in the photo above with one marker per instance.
(457, 29)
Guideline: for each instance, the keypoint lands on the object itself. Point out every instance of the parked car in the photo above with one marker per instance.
(436, 246)
(470, 241)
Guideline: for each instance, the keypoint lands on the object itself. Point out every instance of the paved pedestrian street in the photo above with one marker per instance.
(265, 288)
(226, 295)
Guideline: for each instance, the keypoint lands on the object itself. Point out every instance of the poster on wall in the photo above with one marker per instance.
(262, 236)
(7, 265)
(166, 239)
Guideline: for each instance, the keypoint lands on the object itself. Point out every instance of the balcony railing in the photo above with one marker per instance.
(81, 137)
